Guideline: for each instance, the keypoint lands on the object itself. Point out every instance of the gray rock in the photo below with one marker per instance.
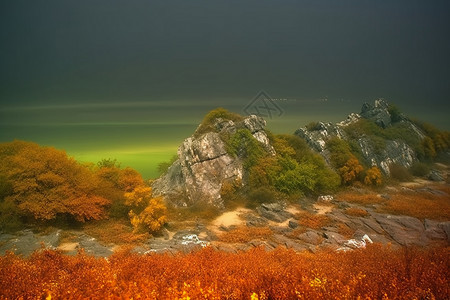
(404, 230)
(395, 151)
(378, 113)
(26, 242)
(255, 221)
(204, 165)
(293, 224)
(273, 212)
(311, 237)
(373, 224)
(436, 175)
(335, 238)
(281, 240)
(434, 231)
(446, 228)
(92, 247)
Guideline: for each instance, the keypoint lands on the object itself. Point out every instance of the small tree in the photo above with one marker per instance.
(373, 176)
(350, 171)
(152, 217)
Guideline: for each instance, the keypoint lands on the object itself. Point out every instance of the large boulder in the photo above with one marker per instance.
(204, 165)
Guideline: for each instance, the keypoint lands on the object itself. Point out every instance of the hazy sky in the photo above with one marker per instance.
(132, 79)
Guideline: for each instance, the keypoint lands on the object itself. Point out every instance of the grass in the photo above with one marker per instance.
(375, 272)
(356, 212)
(432, 203)
(359, 198)
(244, 234)
(421, 205)
(312, 220)
(114, 231)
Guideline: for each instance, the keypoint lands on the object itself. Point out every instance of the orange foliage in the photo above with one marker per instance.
(373, 273)
(373, 176)
(313, 221)
(344, 230)
(419, 204)
(244, 234)
(115, 232)
(356, 212)
(353, 197)
(46, 182)
(152, 217)
(350, 171)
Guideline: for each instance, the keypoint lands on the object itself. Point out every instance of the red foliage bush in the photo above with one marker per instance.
(376, 272)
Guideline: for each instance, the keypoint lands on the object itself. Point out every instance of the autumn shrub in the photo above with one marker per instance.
(115, 232)
(439, 140)
(356, 212)
(133, 196)
(375, 272)
(152, 217)
(373, 176)
(360, 198)
(340, 152)
(312, 220)
(419, 204)
(345, 230)
(46, 183)
(351, 170)
(244, 234)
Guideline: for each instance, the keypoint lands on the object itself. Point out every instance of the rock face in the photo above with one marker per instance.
(204, 164)
(393, 151)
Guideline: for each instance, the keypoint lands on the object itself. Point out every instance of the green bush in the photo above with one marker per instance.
(244, 145)
(164, 166)
(340, 152)
(400, 173)
(261, 195)
(419, 169)
(395, 113)
(313, 126)
(295, 170)
(208, 120)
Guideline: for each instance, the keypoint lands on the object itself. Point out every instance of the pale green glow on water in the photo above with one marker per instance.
(145, 162)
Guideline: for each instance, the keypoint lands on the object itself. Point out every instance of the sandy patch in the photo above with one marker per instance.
(418, 182)
(322, 209)
(68, 246)
(292, 209)
(230, 218)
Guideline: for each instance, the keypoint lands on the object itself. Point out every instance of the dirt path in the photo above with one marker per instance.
(229, 218)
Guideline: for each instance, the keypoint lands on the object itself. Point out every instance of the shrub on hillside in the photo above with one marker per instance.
(419, 169)
(207, 124)
(373, 176)
(400, 173)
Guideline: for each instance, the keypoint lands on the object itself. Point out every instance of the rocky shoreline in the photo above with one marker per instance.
(282, 220)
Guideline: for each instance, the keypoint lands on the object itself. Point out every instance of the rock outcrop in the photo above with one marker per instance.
(396, 151)
(204, 164)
